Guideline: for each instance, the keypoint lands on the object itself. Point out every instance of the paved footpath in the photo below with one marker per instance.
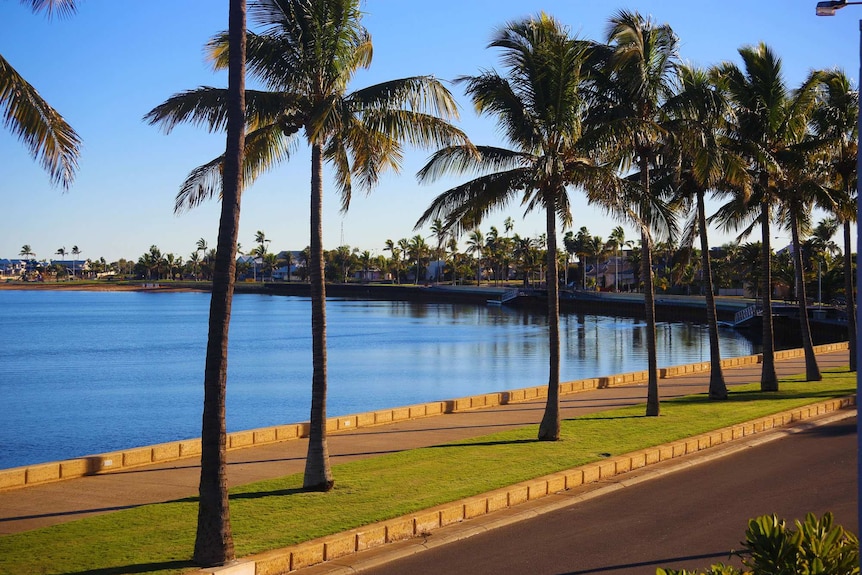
(43, 505)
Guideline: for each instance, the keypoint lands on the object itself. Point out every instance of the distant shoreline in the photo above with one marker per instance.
(96, 286)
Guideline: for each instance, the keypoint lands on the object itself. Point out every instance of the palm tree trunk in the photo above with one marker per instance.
(549, 429)
(717, 386)
(768, 377)
(652, 408)
(812, 371)
(318, 474)
(849, 296)
(214, 539)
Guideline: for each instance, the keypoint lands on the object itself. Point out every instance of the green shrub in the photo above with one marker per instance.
(815, 547)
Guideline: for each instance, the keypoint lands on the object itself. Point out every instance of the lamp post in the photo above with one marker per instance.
(828, 9)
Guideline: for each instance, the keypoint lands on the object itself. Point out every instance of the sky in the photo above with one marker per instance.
(104, 68)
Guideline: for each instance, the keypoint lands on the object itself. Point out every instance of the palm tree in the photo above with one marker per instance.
(288, 262)
(769, 121)
(42, 130)
(596, 248)
(365, 259)
(61, 252)
(617, 239)
(539, 107)
(835, 119)
(699, 112)
(214, 539)
(75, 253)
(438, 230)
(640, 74)
(307, 57)
(418, 251)
(194, 263)
(475, 246)
(395, 250)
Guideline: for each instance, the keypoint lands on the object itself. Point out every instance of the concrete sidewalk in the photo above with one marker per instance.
(48, 504)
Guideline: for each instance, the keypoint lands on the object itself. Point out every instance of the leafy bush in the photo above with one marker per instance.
(815, 547)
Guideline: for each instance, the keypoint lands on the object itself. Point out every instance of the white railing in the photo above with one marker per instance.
(509, 295)
(745, 314)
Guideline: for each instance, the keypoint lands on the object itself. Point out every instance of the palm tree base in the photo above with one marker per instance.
(320, 487)
(548, 437)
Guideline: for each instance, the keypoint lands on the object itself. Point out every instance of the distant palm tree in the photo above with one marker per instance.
(439, 231)
(41, 129)
(395, 251)
(617, 239)
(475, 246)
(75, 253)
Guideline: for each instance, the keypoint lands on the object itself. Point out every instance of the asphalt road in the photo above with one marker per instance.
(686, 519)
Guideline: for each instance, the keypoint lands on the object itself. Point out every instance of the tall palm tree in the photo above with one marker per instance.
(43, 131)
(307, 56)
(640, 74)
(214, 539)
(699, 113)
(539, 106)
(769, 121)
(835, 119)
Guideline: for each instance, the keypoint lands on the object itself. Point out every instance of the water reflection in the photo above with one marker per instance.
(89, 372)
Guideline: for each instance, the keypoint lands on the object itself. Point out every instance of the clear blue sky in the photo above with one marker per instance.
(104, 68)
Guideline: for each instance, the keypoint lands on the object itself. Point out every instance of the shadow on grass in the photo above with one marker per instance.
(139, 568)
(608, 418)
(484, 443)
(756, 395)
(262, 494)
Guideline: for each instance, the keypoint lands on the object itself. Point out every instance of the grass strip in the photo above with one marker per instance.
(158, 538)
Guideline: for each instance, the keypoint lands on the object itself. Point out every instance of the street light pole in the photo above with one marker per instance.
(828, 9)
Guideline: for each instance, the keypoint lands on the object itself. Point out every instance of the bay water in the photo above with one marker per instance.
(90, 372)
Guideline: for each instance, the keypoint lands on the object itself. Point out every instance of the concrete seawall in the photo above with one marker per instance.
(20, 477)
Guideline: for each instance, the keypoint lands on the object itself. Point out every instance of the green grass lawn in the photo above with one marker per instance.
(271, 514)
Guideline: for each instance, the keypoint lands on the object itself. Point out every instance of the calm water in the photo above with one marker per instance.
(89, 372)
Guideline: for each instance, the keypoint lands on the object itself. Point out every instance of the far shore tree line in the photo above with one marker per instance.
(621, 120)
(586, 262)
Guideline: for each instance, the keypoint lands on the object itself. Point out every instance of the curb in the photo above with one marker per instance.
(422, 523)
(39, 474)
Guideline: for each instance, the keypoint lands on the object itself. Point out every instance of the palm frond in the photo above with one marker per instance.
(418, 93)
(207, 106)
(465, 206)
(470, 159)
(264, 148)
(51, 7)
(42, 130)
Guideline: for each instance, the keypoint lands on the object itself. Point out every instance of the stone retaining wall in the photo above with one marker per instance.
(18, 477)
(285, 560)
